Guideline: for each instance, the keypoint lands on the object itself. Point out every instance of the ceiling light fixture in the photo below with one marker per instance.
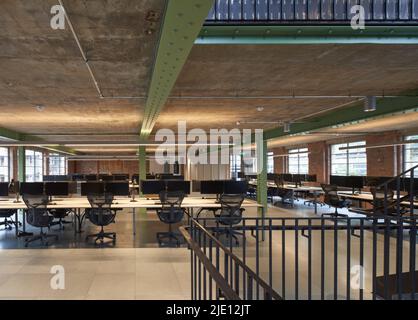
(259, 109)
(286, 127)
(370, 104)
(40, 107)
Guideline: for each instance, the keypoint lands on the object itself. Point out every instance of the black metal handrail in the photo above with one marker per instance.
(227, 290)
(319, 251)
(383, 12)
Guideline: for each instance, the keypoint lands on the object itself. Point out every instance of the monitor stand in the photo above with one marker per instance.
(17, 199)
(133, 198)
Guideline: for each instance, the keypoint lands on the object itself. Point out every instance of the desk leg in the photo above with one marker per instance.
(75, 220)
(23, 233)
(17, 223)
(133, 222)
(316, 202)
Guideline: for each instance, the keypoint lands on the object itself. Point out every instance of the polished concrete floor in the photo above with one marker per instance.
(136, 268)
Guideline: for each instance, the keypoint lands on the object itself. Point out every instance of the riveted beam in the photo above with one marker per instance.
(182, 23)
(355, 113)
(18, 136)
(212, 34)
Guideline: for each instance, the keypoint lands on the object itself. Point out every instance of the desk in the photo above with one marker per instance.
(316, 191)
(78, 204)
(368, 197)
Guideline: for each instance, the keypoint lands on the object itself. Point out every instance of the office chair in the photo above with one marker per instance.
(230, 215)
(37, 215)
(332, 199)
(101, 215)
(287, 196)
(8, 222)
(60, 215)
(271, 193)
(170, 213)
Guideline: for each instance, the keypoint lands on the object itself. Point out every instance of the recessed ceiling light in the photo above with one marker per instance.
(238, 123)
(259, 109)
(286, 127)
(40, 107)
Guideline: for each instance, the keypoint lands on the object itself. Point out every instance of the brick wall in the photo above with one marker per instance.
(279, 162)
(96, 167)
(384, 161)
(318, 161)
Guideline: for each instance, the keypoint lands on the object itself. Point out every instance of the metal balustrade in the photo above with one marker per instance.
(365, 257)
(315, 12)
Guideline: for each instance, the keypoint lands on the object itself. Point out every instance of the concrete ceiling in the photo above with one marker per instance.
(41, 66)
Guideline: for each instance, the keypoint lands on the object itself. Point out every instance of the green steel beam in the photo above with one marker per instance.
(261, 150)
(17, 136)
(142, 165)
(355, 113)
(21, 172)
(212, 34)
(183, 21)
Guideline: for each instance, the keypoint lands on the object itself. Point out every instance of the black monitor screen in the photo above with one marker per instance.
(152, 186)
(271, 176)
(4, 189)
(118, 188)
(174, 185)
(32, 188)
(235, 187)
(212, 187)
(287, 177)
(77, 177)
(90, 177)
(121, 177)
(355, 182)
(92, 188)
(56, 188)
(105, 177)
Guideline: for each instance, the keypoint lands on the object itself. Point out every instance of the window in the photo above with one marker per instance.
(57, 165)
(410, 153)
(298, 161)
(270, 162)
(4, 165)
(34, 166)
(349, 162)
(234, 165)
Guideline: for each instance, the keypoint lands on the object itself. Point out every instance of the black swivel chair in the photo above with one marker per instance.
(101, 214)
(59, 217)
(8, 222)
(170, 213)
(37, 215)
(332, 199)
(230, 215)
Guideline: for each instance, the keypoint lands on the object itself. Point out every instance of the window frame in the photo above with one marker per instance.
(298, 153)
(7, 164)
(35, 165)
(62, 164)
(347, 156)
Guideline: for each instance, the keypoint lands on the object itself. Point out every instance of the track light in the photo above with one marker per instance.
(370, 104)
(286, 127)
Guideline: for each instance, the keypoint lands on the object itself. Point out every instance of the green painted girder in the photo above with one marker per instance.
(18, 136)
(213, 34)
(182, 23)
(385, 106)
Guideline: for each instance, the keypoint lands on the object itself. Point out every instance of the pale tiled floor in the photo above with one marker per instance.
(146, 272)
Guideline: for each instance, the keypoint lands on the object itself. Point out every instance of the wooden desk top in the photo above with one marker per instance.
(124, 203)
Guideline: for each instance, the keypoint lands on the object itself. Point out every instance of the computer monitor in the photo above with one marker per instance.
(150, 176)
(48, 178)
(235, 187)
(92, 188)
(178, 185)
(4, 189)
(355, 182)
(271, 176)
(72, 187)
(152, 186)
(311, 178)
(77, 177)
(56, 188)
(32, 188)
(166, 176)
(212, 187)
(287, 177)
(105, 177)
(117, 188)
(120, 177)
(90, 177)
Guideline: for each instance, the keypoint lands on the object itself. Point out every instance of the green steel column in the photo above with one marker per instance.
(21, 172)
(142, 170)
(261, 150)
